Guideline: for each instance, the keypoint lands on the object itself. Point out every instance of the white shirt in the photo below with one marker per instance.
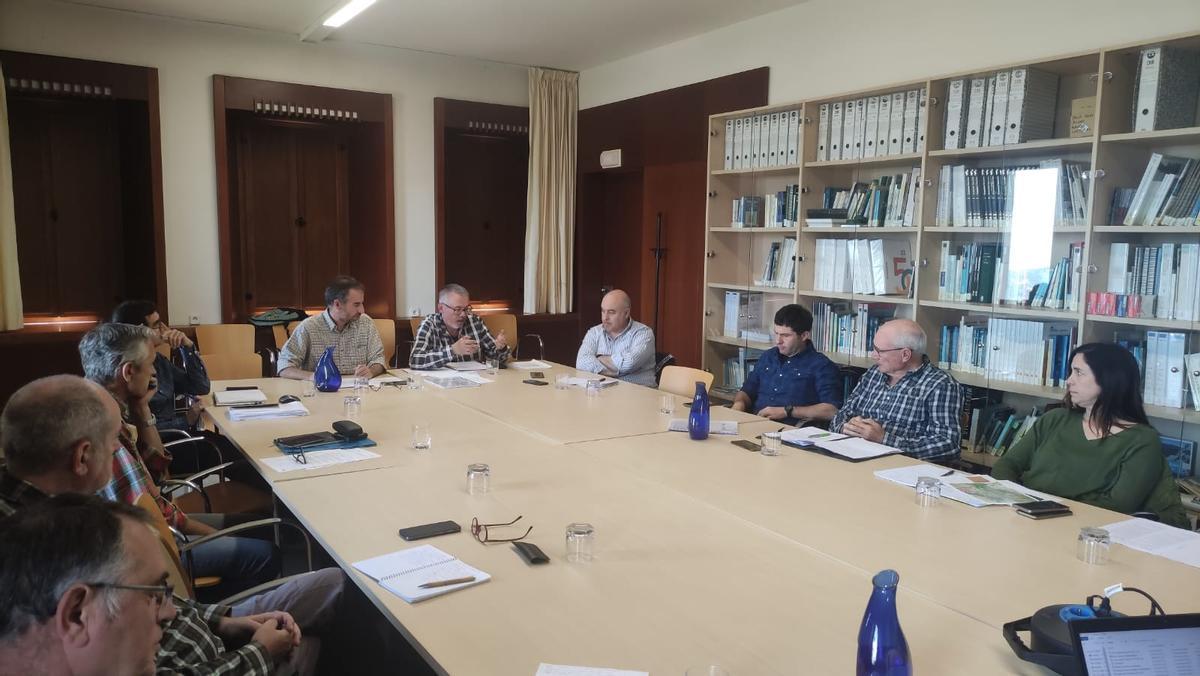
(632, 352)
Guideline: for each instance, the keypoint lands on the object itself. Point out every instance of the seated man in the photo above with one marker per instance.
(618, 346)
(903, 401)
(120, 358)
(85, 589)
(191, 378)
(454, 334)
(792, 381)
(58, 435)
(357, 347)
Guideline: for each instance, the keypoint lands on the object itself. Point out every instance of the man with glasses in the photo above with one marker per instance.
(85, 589)
(188, 377)
(903, 401)
(792, 381)
(618, 347)
(357, 347)
(454, 334)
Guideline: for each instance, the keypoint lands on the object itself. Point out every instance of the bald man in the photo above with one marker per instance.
(903, 401)
(618, 346)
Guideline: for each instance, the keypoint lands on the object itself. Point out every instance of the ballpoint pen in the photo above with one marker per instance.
(447, 583)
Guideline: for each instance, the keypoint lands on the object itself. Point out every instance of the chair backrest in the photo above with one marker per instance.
(682, 380)
(661, 361)
(502, 321)
(175, 571)
(233, 366)
(280, 332)
(415, 323)
(291, 327)
(387, 333)
(225, 338)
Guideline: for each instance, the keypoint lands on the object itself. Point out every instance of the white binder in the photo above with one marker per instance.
(922, 118)
(849, 114)
(1176, 347)
(793, 137)
(985, 130)
(958, 187)
(728, 144)
(823, 133)
(955, 114)
(755, 139)
(860, 128)
(975, 103)
(882, 144)
(773, 142)
(870, 133)
(764, 142)
(912, 100)
(999, 110)
(738, 134)
(1149, 64)
(896, 128)
(835, 130)
(1032, 99)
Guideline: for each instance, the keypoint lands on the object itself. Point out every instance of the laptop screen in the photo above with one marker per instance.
(1132, 646)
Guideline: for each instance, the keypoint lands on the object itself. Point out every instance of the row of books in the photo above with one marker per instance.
(1005, 107)
(737, 368)
(872, 126)
(743, 313)
(773, 210)
(1012, 350)
(1163, 359)
(1168, 194)
(779, 265)
(887, 201)
(977, 272)
(1165, 277)
(876, 266)
(987, 197)
(995, 428)
(761, 141)
(837, 328)
(1168, 84)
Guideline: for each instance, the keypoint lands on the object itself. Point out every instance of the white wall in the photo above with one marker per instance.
(187, 54)
(824, 47)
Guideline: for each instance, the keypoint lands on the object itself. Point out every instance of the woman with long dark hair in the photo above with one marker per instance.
(1099, 448)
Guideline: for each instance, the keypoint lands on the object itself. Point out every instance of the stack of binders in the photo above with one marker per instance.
(1168, 83)
(1006, 107)
(873, 126)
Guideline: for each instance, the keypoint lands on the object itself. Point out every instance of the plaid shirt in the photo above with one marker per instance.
(131, 479)
(356, 344)
(431, 349)
(189, 643)
(920, 414)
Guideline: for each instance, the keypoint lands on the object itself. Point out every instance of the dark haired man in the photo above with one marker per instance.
(792, 381)
(357, 347)
(189, 377)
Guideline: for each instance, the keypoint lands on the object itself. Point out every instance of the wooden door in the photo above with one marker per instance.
(322, 219)
(669, 190)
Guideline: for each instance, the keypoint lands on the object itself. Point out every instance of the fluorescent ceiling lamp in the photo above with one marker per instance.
(347, 12)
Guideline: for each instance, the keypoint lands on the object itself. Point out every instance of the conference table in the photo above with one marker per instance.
(705, 553)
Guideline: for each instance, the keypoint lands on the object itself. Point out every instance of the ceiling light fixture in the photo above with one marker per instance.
(347, 12)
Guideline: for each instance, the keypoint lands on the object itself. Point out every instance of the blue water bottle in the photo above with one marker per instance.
(882, 650)
(327, 376)
(698, 418)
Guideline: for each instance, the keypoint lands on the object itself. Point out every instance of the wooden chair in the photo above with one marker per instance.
(225, 338)
(387, 333)
(415, 323)
(223, 497)
(280, 333)
(682, 380)
(232, 366)
(504, 321)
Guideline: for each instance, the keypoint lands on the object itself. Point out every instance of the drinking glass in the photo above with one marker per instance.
(928, 491)
(1092, 546)
(666, 404)
(581, 542)
(479, 477)
(772, 442)
(422, 436)
(309, 387)
(560, 381)
(351, 406)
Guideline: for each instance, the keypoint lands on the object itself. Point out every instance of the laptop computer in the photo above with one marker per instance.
(1161, 645)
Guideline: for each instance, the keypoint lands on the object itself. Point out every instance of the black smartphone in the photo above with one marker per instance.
(1042, 509)
(530, 381)
(235, 388)
(429, 530)
(302, 440)
(537, 374)
(746, 444)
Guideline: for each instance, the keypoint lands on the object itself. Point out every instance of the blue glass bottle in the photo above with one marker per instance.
(327, 376)
(698, 418)
(882, 650)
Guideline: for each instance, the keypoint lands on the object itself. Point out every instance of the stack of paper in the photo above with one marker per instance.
(568, 670)
(1159, 539)
(292, 409)
(467, 366)
(319, 459)
(975, 490)
(714, 426)
(239, 397)
(403, 572)
(531, 365)
(574, 381)
(851, 448)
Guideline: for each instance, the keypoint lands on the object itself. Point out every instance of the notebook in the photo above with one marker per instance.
(239, 397)
(404, 571)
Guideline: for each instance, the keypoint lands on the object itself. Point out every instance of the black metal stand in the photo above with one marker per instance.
(659, 253)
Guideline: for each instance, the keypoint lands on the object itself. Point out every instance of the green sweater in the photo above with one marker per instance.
(1125, 472)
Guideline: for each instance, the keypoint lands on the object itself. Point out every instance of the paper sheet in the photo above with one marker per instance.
(845, 446)
(292, 409)
(319, 459)
(238, 397)
(1158, 539)
(565, 670)
(531, 365)
(467, 366)
(714, 426)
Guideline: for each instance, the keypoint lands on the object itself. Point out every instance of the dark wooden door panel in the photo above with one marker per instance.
(322, 233)
(268, 213)
(669, 190)
(28, 132)
(622, 248)
(86, 200)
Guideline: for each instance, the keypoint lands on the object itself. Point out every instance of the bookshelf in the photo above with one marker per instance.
(1050, 227)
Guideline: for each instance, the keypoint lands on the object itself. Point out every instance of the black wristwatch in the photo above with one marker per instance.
(787, 411)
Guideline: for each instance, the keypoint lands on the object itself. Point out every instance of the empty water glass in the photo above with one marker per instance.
(308, 387)
(772, 442)
(422, 436)
(479, 477)
(351, 406)
(416, 382)
(593, 388)
(360, 385)
(1092, 546)
(493, 366)
(666, 404)
(929, 491)
(560, 381)
(581, 542)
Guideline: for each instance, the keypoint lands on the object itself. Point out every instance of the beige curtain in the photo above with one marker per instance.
(11, 312)
(550, 209)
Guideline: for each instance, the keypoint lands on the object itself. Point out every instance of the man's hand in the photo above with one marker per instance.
(501, 340)
(278, 641)
(773, 413)
(865, 428)
(464, 346)
(139, 407)
(362, 371)
(194, 412)
(174, 337)
(610, 369)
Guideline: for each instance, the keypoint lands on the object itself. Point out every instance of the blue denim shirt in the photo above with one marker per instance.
(803, 379)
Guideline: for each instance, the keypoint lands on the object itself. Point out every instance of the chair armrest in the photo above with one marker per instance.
(169, 485)
(266, 586)
(215, 468)
(189, 440)
(175, 436)
(188, 546)
(540, 342)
